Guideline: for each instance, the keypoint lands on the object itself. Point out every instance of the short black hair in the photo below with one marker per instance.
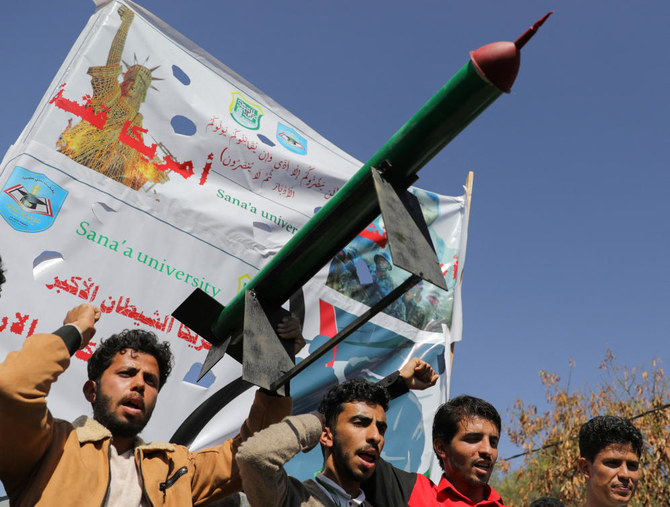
(449, 414)
(547, 501)
(332, 403)
(2, 275)
(135, 339)
(604, 430)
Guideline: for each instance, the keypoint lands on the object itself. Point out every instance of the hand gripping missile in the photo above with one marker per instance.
(243, 328)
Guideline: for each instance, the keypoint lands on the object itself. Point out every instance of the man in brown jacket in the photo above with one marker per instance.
(101, 461)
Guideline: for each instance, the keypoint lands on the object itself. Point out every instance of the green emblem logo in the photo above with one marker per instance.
(245, 113)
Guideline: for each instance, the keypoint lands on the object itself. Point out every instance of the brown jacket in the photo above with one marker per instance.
(47, 461)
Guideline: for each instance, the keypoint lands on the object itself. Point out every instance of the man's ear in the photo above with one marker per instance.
(585, 467)
(440, 447)
(90, 389)
(326, 438)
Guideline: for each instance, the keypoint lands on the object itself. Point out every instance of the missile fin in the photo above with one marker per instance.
(408, 237)
(213, 356)
(199, 311)
(264, 358)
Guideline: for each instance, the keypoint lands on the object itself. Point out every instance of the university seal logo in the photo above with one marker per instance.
(30, 201)
(291, 140)
(245, 113)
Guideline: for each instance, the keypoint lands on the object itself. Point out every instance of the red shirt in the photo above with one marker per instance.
(426, 494)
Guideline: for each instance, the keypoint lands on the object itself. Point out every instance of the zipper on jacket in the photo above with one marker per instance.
(163, 486)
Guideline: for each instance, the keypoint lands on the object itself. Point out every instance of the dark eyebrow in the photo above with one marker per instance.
(480, 434)
(128, 368)
(362, 418)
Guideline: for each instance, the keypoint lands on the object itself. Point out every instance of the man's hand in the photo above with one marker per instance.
(289, 329)
(418, 374)
(84, 317)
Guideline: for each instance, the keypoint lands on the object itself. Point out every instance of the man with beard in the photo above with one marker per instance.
(102, 461)
(350, 426)
(466, 431)
(610, 449)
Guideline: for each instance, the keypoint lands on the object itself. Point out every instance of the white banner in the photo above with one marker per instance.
(149, 169)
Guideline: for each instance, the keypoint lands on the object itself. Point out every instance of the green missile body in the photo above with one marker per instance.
(491, 71)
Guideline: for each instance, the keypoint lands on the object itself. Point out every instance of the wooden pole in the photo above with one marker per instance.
(468, 194)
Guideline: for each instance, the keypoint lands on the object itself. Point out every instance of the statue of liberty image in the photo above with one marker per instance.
(101, 149)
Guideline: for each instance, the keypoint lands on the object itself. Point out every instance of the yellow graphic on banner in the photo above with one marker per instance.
(109, 139)
(242, 282)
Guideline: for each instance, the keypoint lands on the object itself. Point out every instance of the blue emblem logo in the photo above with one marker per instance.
(30, 201)
(291, 140)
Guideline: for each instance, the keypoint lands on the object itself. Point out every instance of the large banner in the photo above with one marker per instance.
(150, 169)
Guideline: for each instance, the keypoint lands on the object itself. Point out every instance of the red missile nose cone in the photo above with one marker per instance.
(498, 63)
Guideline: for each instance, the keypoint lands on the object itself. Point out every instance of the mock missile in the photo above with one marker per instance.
(490, 72)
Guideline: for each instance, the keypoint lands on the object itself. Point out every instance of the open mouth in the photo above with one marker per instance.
(483, 467)
(135, 404)
(369, 456)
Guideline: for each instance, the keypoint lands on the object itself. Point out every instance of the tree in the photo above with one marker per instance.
(550, 439)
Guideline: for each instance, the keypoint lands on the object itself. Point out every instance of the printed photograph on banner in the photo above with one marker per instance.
(108, 137)
(363, 271)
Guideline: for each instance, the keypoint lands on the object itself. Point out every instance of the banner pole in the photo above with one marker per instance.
(469, 180)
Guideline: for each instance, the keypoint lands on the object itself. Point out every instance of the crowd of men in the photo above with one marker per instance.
(102, 460)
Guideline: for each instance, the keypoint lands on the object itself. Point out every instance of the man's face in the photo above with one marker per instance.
(357, 440)
(469, 458)
(126, 394)
(612, 476)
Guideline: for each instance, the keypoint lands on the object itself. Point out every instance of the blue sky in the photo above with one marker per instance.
(568, 243)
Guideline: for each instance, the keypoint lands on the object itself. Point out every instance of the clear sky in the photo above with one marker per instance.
(568, 246)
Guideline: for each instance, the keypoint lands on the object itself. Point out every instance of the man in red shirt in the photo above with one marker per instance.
(466, 431)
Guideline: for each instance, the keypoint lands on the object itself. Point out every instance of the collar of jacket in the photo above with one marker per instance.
(90, 430)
